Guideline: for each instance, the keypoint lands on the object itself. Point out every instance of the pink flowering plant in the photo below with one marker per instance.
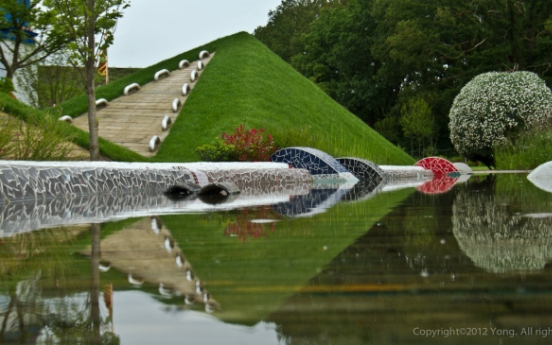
(242, 145)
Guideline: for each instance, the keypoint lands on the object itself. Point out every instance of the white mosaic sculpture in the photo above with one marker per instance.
(130, 88)
(183, 63)
(160, 74)
(66, 118)
(176, 105)
(186, 89)
(101, 101)
(193, 75)
(166, 123)
(154, 143)
(200, 65)
(203, 54)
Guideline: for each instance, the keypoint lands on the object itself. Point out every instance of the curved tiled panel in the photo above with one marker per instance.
(363, 169)
(437, 165)
(318, 163)
(32, 183)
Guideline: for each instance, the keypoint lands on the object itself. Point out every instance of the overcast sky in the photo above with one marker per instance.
(151, 31)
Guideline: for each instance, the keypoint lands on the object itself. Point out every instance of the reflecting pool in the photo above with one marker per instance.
(468, 262)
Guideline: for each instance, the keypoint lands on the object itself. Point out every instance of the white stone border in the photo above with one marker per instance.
(183, 63)
(176, 104)
(203, 54)
(66, 118)
(160, 74)
(101, 101)
(186, 89)
(130, 88)
(166, 123)
(154, 143)
(193, 75)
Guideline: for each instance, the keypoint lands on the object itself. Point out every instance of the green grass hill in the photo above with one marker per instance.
(245, 83)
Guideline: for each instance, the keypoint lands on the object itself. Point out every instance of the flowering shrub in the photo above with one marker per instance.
(493, 107)
(242, 145)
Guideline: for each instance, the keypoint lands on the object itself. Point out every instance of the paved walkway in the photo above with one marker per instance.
(131, 121)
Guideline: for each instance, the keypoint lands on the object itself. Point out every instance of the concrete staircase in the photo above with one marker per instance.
(132, 120)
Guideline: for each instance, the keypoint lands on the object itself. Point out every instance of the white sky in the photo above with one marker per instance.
(151, 31)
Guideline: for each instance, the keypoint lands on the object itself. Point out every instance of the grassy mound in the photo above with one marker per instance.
(246, 83)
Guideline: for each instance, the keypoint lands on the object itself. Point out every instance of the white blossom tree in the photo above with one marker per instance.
(493, 107)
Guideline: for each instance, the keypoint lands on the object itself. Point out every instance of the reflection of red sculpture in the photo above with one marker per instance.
(247, 224)
(437, 165)
(439, 184)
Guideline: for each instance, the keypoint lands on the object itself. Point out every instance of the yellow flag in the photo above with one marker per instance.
(102, 65)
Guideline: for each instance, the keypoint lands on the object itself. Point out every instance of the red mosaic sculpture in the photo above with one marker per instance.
(440, 184)
(437, 165)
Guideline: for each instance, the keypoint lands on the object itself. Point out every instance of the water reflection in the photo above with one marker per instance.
(497, 235)
(374, 267)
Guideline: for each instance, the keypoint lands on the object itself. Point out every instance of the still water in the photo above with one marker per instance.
(471, 264)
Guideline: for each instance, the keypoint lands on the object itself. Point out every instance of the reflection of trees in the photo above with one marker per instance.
(496, 237)
(33, 311)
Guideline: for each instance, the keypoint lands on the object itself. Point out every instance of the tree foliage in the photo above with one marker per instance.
(493, 107)
(416, 120)
(88, 27)
(372, 56)
(26, 34)
(286, 24)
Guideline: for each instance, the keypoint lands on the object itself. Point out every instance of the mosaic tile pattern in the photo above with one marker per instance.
(251, 181)
(439, 184)
(364, 189)
(313, 160)
(29, 215)
(317, 201)
(30, 183)
(438, 165)
(363, 169)
(411, 173)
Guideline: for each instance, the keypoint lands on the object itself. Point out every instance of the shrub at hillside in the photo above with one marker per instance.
(242, 145)
(493, 107)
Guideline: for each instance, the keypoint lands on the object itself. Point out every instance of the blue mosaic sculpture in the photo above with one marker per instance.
(320, 164)
(363, 169)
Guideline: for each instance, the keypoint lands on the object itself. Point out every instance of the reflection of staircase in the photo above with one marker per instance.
(132, 121)
(147, 253)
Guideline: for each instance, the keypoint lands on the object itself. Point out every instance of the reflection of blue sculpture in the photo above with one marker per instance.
(364, 189)
(317, 201)
(318, 163)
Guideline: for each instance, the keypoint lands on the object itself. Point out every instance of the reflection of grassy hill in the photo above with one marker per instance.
(253, 278)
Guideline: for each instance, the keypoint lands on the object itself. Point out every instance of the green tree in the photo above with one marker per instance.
(88, 25)
(417, 121)
(22, 47)
(286, 24)
(337, 56)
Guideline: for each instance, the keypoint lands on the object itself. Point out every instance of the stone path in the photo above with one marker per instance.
(131, 121)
